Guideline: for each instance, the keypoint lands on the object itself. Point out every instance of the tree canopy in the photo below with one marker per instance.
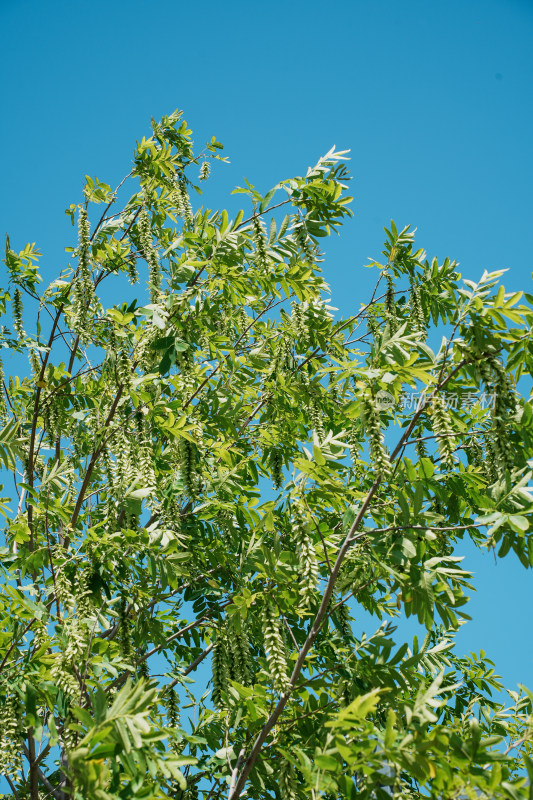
(222, 477)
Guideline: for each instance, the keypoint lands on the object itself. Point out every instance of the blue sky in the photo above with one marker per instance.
(433, 99)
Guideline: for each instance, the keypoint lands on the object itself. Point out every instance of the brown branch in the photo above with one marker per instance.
(323, 609)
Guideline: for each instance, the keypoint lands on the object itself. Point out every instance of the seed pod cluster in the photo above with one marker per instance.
(418, 315)
(307, 559)
(17, 310)
(149, 253)
(391, 309)
(288, 786)
(240, 655)
(63, 678)
(83, 290)
(76, 635)
(259, 240)
(442, 427)
(317, 420)
(304, 241)
(275, 647)
(182, 200)
(221, 670)
(3, 405)
(378, 453)
(172, 706)
(9, 740)
(63, 588)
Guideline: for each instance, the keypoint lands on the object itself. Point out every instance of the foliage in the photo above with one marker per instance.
(221, 473)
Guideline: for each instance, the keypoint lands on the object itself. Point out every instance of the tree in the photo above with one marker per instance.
(222, 474)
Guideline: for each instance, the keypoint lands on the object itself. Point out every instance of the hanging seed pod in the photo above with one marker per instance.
(17, 310)
(187, 465)
(418, 316)
(83, 290)
(420, 445)
(378, 454)
(391, 310)
(221, 672)
(149, 253)
(9, 740)
(288, 786)
(274, 647)
(315, 414)
(172, 706)
(3, 406)
(259, 240)
(65, 595)
(304, 241)
(241, 661)
(442, 427)
(342, 613)
(76, 634)
(307, 560)
(61, 670)
(299, 322)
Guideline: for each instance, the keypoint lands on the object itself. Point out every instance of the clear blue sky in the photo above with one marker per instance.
(434, 100)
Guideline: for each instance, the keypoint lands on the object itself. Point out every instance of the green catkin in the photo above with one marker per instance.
(259, 240)
(63, 678)
(442, 427)
(391, 310)
(183, 202)
(373, 324)
(343, 617)
(131, 270)
(317, 421)
(149, 253)
(35, 363)
(241, 662)
(9, 740)
(83, 285)
(288, 786)
(304, 242)
(83, 594)
(172, 706)
(123, 369)
(354, 443)
(221, 670)
(3, 406)
(299, 322)
(378, 453)
(307, 560)
(418, 316)
(205, 169)
(18, 311)
(75, 632)
(275, 647)
(63, 588)
(145, 454)
(276, 468)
